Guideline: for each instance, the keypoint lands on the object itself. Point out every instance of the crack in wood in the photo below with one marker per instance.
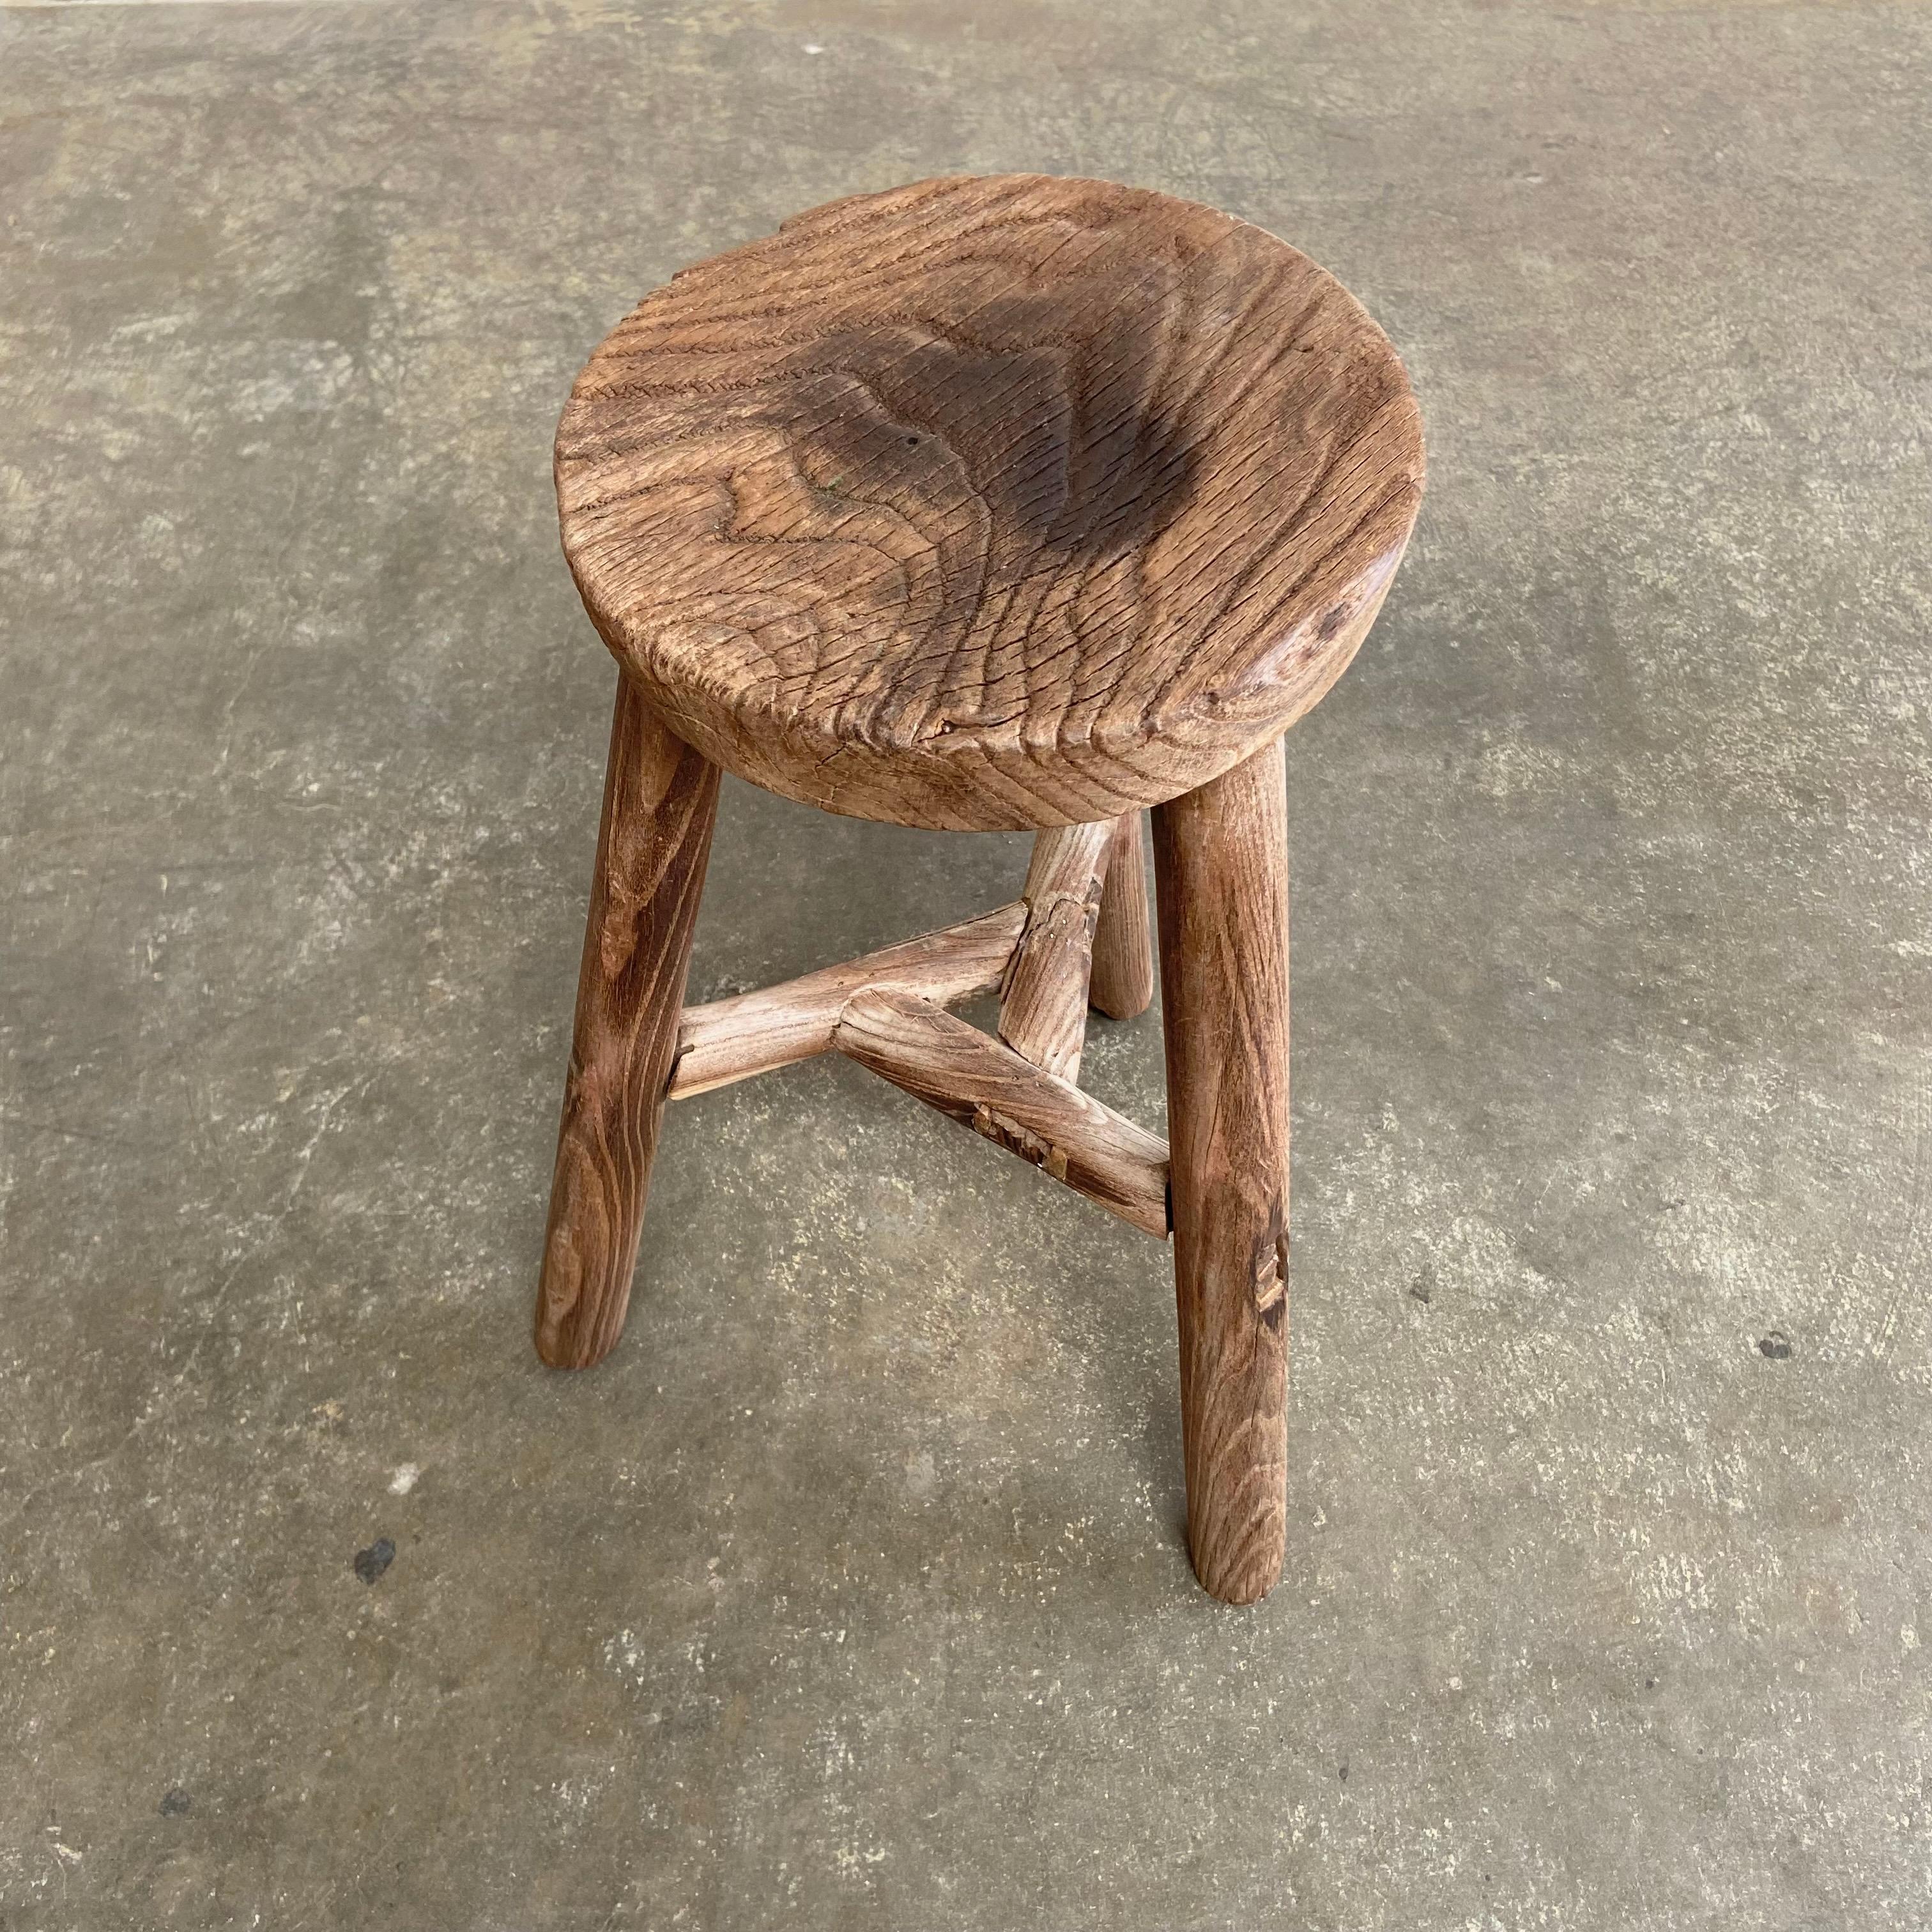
(1019, 1140)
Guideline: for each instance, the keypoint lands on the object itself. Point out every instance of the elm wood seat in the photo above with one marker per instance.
(987, 503)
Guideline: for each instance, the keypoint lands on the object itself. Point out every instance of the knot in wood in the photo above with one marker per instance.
(1270, 1273)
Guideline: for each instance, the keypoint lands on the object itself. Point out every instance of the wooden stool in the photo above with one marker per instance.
(986, 504)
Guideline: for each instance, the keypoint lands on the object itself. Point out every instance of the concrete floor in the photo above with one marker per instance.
(850, 1592)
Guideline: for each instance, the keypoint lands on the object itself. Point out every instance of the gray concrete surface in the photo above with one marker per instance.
(849, 1593)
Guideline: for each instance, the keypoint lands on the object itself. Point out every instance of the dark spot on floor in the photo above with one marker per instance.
(371, 1563)
(176, 1804)
(1423, 1287)
(1775, 1347)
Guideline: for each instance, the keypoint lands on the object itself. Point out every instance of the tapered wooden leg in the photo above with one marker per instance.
(1123, 982)
(1221, 875)
(1043, 1004)
(660, 802)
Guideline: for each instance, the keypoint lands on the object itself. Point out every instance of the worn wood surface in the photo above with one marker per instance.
(1221, 868)
(753, 1032)
(994, 501)
(1122, 984)
(660, 803)
(1043, 1004)
(974, 1079)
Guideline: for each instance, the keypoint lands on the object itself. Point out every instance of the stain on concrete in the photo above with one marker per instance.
(371, 1563)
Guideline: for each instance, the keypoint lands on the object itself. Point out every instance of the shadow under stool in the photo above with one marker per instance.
(990, 503)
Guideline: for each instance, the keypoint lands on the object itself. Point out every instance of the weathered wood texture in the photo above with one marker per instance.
(1221, 870)
(974, 1079)
(1123, 978)
(1010, 501)
(731, 1039)
(1043, 1005)
(660, 803)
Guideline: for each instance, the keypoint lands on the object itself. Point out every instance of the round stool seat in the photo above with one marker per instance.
(990, 502)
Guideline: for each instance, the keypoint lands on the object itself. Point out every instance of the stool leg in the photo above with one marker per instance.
(1221, 875)
(1123, 982)
(660, 802)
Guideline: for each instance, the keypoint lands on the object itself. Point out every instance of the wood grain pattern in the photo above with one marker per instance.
(660, 803)
(1043, 1005)
(1122, 984)
(1221, 869)
(754, 1033)
(976, 1081)
(988, 503)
